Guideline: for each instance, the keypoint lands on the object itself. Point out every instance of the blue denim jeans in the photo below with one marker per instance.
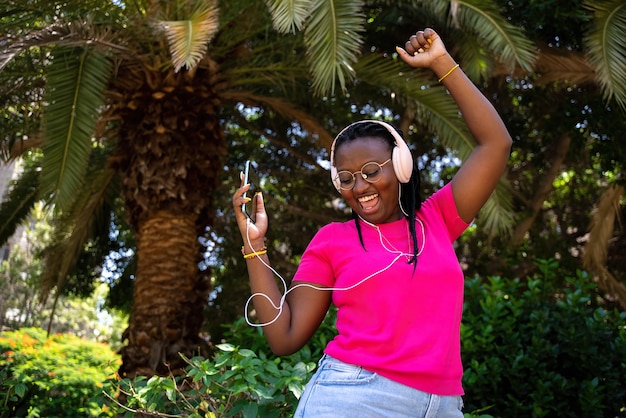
(340, 390)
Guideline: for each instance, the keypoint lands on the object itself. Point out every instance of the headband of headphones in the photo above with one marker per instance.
(400, 156)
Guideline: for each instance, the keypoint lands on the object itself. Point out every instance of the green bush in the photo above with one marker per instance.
(52, 377)
(237, 383)
(532, 351)
(529, 349)
(245, 382)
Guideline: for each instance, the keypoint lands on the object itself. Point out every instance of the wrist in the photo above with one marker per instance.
(257, 252)
(442, 65)
(253, 245)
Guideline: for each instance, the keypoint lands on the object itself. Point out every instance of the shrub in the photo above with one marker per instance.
(529, 350)
(237, 383)
(532, 351)
(55, 376)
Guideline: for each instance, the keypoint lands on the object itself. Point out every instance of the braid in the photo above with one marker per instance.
(411, 201)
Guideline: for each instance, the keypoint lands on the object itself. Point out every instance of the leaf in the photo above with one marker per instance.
(20, 389)
(438, 111)
(12, 46)
(497, 215)
(73, 230)
(605, 45)
(333, 41)
(188, 39)
(289, 15)
(226, 347)
(501, 37)
(77, 80)
(20, 199)
(554, 66)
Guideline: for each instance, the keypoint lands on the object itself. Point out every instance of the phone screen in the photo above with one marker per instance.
(251, 177)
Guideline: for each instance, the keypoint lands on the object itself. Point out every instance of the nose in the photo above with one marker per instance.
(360, 183)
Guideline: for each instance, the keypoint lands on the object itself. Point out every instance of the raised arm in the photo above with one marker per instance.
(479, 174)
(291, 322)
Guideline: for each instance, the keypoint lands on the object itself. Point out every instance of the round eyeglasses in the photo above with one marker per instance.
(371, 172)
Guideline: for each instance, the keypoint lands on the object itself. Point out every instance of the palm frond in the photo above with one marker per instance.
(11, 46)
(75, 227)
(77, 79)
(436, 110)
(501, 37)
(497, 215)
(601, 231)
(477, 62)
(333, 40)
(188, 39)
(19, 202)
(606, 47)
(571, 68)
(289, 15)
(285, 109)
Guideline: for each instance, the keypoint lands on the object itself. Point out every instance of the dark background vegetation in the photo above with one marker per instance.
(544, 326)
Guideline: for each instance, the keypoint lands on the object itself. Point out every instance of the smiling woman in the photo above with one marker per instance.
(391, 271)
(374, 199)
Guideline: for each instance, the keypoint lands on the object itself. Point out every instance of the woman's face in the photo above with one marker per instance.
(375, 202)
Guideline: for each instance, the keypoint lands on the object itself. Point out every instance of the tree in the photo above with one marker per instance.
(566, 118)
(145, 96)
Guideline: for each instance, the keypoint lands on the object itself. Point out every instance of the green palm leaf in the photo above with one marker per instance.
(289, 15)
(13, 46)
(18, 202)
(498, 215)
(188, 39)
(76, 80)
(437, 110)
(76, 227)
(333, 42)
(605, 47)
(495, 32)
(434, 108)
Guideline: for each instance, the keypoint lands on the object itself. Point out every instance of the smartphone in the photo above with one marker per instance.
(250, 177)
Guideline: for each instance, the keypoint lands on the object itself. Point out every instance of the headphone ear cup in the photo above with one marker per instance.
(402, 162)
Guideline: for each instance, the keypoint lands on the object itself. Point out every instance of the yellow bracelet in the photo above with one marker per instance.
(449, 72)
(253, 253)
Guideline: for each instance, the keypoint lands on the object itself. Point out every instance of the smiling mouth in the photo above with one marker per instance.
(368, 201)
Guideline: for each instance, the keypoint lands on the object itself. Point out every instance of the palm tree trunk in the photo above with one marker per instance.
(168, 297)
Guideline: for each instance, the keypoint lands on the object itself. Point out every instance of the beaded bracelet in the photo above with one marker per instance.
(449, 72)
(254, 253)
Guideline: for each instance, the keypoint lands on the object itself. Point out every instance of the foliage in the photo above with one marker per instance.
(237, 382)
(532, 352)
(55, 376)
(528, 351)
(22, 304)
(255, 76)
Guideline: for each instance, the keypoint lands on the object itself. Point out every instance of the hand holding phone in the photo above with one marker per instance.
(250, 177)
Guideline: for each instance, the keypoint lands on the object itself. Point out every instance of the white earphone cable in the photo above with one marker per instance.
(279, 308)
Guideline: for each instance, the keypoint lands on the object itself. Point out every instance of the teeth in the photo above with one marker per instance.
(368, 198)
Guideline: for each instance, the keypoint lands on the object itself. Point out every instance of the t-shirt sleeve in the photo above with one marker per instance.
(443, 200)
(315, 265)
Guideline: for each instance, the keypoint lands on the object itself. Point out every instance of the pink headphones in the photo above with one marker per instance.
(400, 156)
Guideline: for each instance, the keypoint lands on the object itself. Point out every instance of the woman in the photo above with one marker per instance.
(391, 271)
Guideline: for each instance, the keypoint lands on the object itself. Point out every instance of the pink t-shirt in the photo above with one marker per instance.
(401, 324)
